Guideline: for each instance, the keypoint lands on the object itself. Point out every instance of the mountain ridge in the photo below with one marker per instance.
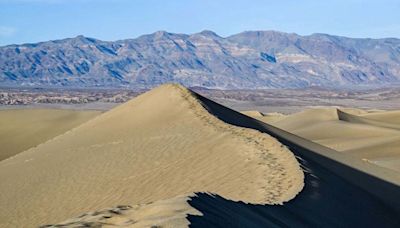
(251, 59)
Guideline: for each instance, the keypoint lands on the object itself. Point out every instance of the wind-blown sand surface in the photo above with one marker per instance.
(22, 129)
(373, 137)
(157, 146)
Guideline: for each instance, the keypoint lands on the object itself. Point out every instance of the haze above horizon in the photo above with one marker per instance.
(28, 21)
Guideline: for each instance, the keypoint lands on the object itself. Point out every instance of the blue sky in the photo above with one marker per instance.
(24, 21)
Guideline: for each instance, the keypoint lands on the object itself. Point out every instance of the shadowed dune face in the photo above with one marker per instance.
(22, 129)
(157, 146)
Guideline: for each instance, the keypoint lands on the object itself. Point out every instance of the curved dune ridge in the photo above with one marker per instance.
(157, 146)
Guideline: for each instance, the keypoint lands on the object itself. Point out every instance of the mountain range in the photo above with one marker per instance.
(248, 60)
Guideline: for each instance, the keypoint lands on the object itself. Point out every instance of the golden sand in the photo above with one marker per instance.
(22, 129)
(157, 146)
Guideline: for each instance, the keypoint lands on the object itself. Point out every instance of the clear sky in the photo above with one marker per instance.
(24, 21)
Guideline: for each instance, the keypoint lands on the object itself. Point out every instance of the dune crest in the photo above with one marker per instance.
(159, 145)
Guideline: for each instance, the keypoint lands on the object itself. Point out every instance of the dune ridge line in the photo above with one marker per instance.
(259, 140)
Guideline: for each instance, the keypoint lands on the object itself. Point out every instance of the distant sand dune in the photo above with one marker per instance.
(157, 146)
(22, 129)
(392, 117)
(371, 136)
(265, 117)
(381, 120)
(253, 113)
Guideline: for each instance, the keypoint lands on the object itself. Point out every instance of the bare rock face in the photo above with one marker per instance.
(258, 59)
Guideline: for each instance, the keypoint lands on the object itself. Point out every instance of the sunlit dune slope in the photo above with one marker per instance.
(157, 146)
(22, 129)
(171, 212)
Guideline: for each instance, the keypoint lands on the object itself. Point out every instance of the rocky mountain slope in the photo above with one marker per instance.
(255, 59)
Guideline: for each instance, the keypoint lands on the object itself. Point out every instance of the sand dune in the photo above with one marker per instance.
(159, 145)
(373, 137)
(344, 116)
(253, 113)
(354, 111)
(306, 118)
(22, 129)
(392, 117)
(265, 117)
(341, 186)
